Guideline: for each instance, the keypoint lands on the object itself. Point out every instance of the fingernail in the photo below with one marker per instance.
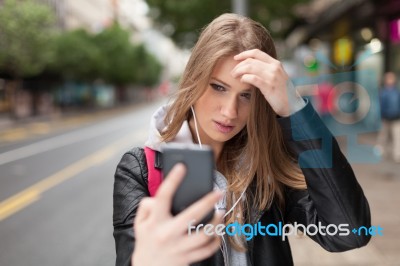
(180, 166)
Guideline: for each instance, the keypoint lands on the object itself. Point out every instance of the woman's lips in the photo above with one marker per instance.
(223, 128)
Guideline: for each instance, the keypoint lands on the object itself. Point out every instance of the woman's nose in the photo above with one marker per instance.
(230, 108)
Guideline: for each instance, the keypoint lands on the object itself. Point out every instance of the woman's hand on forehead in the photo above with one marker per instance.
(268, 75)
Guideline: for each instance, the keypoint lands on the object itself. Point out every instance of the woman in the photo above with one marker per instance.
(276, 161)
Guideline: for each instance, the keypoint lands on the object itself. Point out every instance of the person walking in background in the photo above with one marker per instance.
(389, 98)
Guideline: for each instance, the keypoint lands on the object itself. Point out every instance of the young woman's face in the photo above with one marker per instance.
(222, 111)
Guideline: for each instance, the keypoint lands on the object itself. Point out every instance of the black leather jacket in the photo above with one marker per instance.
(333, 196)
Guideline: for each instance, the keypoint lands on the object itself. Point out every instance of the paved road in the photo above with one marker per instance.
(56, 193)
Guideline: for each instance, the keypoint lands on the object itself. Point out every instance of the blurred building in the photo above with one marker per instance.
(356, 32)
(94, 15)
(354, 40)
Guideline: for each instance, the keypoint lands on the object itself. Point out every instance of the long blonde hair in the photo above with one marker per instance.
(257, 155)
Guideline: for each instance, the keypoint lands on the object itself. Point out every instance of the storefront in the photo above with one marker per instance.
(355, 61)
(394, 44)
(388, 13)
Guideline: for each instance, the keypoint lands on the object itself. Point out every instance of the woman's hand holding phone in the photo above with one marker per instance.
(163, 239)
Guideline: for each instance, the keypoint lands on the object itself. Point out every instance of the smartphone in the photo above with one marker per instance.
(199, 177)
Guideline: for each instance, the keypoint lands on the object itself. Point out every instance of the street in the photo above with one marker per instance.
(56, 193)
(56, 198)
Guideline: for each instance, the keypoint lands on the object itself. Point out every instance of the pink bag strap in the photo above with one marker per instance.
(154, 175)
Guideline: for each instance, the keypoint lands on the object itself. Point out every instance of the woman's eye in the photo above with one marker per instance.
(247, 96)
(217, 87)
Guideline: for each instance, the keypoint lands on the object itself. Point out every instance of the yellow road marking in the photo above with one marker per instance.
(18, 202)
(26, 197)
(14, 134)
(39, 128)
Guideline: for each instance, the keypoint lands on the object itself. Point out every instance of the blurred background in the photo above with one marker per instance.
(79, 81)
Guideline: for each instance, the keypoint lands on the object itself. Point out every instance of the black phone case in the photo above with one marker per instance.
(198, 180)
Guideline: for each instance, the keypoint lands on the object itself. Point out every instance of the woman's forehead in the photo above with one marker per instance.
(222, 73)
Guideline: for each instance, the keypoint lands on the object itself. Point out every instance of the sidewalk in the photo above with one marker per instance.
(381, 185)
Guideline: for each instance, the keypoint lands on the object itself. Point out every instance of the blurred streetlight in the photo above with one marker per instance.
(239, 7)
(114, 4)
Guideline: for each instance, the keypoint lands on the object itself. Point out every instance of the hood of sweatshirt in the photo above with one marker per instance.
(184, 136)
(157, 125)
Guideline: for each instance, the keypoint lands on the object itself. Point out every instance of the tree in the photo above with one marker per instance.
(118, 53)
(26, 29)
(181, 19)
(126, 63)
(108, 56)
(149, 68)
(77, 56)
(184, 19)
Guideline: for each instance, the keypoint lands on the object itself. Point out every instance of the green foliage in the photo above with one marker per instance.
(26, 30)
(190, 16)
(29, 45)
(118, 55)
(77, 56)
(187, 17)
(148, 67)
(108, 55)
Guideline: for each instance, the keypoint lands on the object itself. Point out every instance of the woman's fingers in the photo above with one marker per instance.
(144, 210)
(254, 80)
(260, 74)
(264, 69)
(252, 66)
(254, 53)
(203, 252)
(194, 240)
(200, 235)
(195, 212)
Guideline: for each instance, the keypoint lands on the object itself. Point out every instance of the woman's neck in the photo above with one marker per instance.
(215, 146)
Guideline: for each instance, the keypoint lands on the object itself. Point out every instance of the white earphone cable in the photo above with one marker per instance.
(224, 244)
(234, 205)
(195, 125)
(198, 139)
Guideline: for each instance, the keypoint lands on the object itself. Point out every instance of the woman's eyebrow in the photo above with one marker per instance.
(220, 81)
(228, 86)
